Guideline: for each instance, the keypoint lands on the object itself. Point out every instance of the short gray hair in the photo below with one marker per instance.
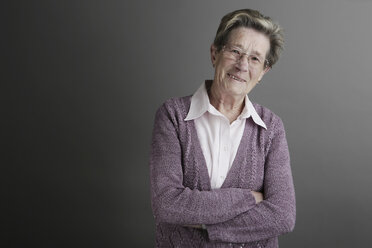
(251, 19)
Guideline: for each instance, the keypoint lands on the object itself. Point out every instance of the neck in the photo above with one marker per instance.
(228, 105)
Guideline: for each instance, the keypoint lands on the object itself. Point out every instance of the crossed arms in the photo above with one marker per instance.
(229, 214)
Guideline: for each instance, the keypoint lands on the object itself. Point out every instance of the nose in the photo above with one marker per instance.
(242, 64)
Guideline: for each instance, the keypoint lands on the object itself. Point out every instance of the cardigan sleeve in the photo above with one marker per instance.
(276, 214)
(176, 204)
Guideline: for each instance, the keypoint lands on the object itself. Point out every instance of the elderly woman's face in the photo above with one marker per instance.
(237, 77)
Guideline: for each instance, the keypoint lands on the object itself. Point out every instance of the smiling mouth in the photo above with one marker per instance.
(236, 78)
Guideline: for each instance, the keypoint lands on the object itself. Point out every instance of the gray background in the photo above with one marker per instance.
(83, 80)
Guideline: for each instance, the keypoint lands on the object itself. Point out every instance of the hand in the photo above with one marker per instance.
(258, 196)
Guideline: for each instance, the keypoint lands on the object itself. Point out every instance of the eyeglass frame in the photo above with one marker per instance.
(241, 54)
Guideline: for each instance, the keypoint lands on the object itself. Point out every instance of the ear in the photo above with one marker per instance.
(263, 73)
(213, 54)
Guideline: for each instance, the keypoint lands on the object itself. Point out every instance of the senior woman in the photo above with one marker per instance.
(220, 171)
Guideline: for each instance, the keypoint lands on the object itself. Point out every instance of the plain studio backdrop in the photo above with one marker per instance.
(83, 80)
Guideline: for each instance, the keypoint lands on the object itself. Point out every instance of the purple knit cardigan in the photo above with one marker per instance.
(181, 192)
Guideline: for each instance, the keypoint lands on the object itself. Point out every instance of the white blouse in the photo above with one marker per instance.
(219, 140)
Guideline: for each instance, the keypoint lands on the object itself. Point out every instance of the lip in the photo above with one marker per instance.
(239, 79)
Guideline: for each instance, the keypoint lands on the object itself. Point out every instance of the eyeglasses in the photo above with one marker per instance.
(237, 53)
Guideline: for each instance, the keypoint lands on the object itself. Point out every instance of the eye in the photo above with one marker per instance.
(255, 59)
(235, 51)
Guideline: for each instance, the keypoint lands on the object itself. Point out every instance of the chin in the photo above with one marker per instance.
(239, 87)
(238, 92)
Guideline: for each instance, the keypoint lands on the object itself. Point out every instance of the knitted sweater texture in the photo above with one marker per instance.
(181, 193)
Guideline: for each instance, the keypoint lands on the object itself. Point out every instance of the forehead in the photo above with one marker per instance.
(249, 39)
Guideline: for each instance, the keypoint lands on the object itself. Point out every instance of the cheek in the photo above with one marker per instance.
(220, 71)
(260, 76)
(221, 76)
(256, 75)
(223, 67)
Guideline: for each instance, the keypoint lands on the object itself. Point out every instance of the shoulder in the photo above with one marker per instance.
(272, 120)
(275, 135)
(177, 104)
(175, 108)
